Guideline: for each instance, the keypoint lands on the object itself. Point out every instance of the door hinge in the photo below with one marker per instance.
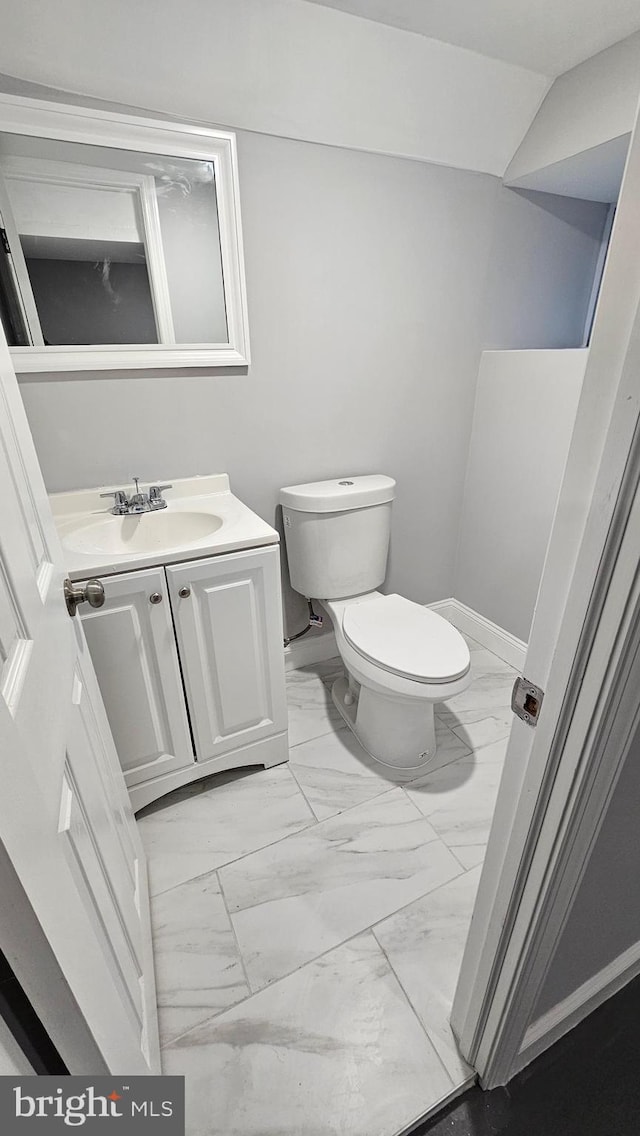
(526, 700)
(4, 240)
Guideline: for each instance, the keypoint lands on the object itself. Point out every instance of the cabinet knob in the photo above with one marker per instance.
(184, 593)
(91, 592)
(155, 597)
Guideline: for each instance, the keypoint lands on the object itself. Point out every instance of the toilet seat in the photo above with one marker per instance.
(406, 639)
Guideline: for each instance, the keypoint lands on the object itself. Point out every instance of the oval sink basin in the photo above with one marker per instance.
(146, 532)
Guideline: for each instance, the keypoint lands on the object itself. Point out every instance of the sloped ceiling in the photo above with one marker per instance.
(283, 67)
(548, 36)
(315, 70)
(578, 141)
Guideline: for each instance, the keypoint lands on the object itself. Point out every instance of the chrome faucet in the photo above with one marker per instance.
(138, 502)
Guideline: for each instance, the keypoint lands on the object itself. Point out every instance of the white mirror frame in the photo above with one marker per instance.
(124, 132)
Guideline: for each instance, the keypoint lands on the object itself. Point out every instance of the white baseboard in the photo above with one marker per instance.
(317, 646)
(566, 1014)
(314, 648)
(488, 634)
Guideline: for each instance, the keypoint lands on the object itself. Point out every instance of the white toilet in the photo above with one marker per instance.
(400, 658)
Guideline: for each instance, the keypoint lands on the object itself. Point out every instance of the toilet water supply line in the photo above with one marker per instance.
(314, 621)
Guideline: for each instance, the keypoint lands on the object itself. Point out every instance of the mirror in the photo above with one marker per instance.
(117, 255)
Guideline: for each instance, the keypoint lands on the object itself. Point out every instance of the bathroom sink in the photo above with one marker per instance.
(202, 518)
(146, 532)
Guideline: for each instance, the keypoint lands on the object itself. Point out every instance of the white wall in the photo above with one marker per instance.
(526, 399)
(525, 408)
(595, 174)
(541, 270)
(589, 105)
(282, 67)
(367, 283)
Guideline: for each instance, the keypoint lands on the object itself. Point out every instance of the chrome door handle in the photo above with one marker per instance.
(91, 592)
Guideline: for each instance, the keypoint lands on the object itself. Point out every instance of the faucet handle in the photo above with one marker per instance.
(120, 500)
(119, 496)
(156, 499)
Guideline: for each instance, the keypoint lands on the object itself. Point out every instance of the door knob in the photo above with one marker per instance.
(155, 597)
(184, 593)
(91, 592)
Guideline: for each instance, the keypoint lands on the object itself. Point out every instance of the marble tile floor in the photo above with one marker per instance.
(309, 921)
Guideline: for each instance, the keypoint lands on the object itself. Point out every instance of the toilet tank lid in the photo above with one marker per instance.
(339, 494)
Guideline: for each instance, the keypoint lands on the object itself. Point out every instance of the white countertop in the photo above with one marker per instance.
(95, 542)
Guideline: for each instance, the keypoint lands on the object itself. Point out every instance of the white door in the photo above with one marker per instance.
(542, 767)
(133, 649)
(228, 618)
(70, 854)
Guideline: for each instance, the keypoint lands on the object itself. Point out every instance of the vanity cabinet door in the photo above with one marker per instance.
(133, 648)
(228, 618)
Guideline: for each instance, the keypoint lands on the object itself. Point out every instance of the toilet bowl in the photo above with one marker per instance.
(400, 658)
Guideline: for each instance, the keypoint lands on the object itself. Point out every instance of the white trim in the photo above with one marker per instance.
(316, 648)
(557, 780)
(483, 630)
(36, 968)
(313, 648)
(41, 119)
(28, 360)
(154, 254)
(20, 271)
(598, 274)
(599, 740)
(268, 752)
(566, 1014)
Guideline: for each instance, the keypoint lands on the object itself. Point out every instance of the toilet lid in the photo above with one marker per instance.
(407, 639)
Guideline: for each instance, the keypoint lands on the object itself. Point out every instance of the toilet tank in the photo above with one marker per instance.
(337, 535)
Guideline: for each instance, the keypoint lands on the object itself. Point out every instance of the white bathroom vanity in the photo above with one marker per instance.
(187, 641)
